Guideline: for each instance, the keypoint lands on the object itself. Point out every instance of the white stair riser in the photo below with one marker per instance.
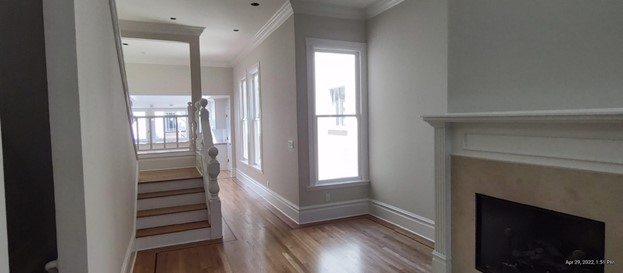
(170, 185)
(172, 219)
(175, 238)
(171, 201)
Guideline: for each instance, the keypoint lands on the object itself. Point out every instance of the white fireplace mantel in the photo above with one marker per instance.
(586, 139)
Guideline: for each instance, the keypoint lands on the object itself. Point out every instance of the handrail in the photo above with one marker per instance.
(124, 79)
(162, 116)
(212, 168)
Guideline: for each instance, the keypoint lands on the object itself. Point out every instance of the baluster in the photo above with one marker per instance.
(191, 126)
(197, 128)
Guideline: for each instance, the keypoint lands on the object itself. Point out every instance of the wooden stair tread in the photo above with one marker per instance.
(169, 210)
(168, 175)
(171, 228)
(147, 195)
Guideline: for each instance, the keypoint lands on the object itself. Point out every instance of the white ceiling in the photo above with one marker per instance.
(220, 45)
(146, 51)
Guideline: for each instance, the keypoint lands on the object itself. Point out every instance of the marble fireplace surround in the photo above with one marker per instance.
(564, 142)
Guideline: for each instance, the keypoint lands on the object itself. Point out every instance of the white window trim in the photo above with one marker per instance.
(335, 46)
(250, 118)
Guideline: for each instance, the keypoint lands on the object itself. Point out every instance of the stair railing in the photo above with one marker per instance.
(210, 167)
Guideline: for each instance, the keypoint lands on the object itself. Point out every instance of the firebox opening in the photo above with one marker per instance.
(517, 238)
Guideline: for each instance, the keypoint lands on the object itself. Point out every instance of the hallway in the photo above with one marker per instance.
(256, 240)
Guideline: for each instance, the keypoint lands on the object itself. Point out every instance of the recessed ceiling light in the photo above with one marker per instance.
(255, 4)
(173, 18)
(236, 30)
(126, 44)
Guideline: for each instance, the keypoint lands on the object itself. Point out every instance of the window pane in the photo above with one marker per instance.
(256, 95)
(338, 153)
(243, 100)
(245, 140)
(257, 127)
(335, 83)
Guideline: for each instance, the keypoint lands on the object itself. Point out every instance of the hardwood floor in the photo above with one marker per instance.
(256, 240)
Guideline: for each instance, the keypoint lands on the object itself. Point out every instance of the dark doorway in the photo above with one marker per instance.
(29, 184)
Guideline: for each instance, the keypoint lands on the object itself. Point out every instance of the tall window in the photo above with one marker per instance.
(251, 118)
(244, 119)
(338, 107)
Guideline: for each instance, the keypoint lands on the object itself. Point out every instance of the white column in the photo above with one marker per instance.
(442, 253)
(195, 69)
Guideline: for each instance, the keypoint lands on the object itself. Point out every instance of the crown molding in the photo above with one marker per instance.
(605, 115)
(266, 30)
(328, 10)
(160, 28)
(381, 6)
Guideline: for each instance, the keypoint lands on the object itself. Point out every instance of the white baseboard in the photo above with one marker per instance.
(130, 256)
(409, 221)
(332, 211)
(441, 263)
(286, 207)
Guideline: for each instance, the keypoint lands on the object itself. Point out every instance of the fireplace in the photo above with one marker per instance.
(517, 238)
(566, 161)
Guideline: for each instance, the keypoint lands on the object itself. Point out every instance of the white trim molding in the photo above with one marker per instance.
(280, 203)
(380, 6)
(416, 224)
(130, 255)
(406, 220)
(328, 10)
(280, 17)
(160, 28)
(334, 210)
(585, 139)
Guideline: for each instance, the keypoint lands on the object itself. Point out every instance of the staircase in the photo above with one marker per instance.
(177, 206)
(171, 208)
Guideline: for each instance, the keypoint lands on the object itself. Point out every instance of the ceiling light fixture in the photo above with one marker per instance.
(255, 4)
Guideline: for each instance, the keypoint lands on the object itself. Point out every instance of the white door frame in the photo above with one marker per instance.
(4, 251)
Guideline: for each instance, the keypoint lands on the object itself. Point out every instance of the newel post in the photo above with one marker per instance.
(212, 168)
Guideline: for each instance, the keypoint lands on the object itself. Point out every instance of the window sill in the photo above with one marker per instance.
(348, 184)
(253, 167)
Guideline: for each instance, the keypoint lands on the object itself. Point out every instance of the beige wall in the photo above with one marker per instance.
(532, 55)
(309, 26)
(407, 78)
(93, 157)
(587, 194)
(278, 101)
(161, 79)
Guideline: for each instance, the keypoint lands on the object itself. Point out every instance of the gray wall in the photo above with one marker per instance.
(309, 26)
(162, 79)
(278, 101)
(533, 55)
(407, 78)
(93, 157)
